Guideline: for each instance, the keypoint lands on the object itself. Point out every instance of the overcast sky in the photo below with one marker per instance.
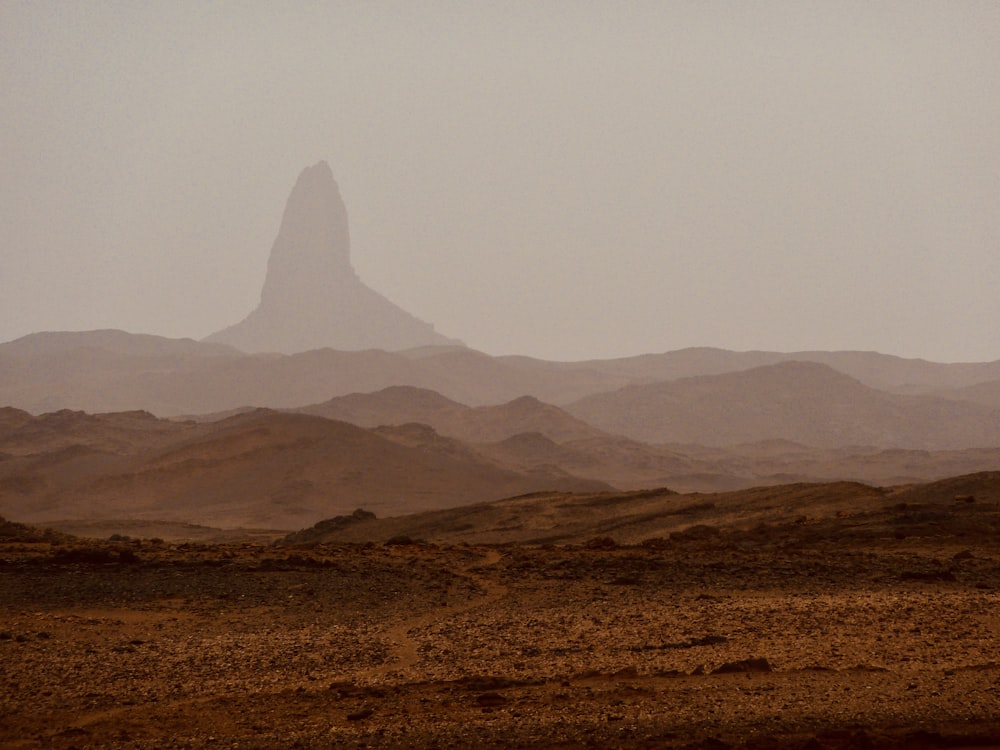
(561, 179)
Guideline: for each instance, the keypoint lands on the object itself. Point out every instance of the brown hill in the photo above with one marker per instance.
(58, 343)
(483, 424)
(105, 371)
(542, 440)
(746, 518)
(781, 462)
(118, 432)
(631, 465)
(476, 378)
(539, 439)
(982, 487)
(12, 419)
(803, 402)
(393, 405)
(986, 393)
(261, 469)
(19, 532)
(267, 469)
(624, 463)
(882, 371)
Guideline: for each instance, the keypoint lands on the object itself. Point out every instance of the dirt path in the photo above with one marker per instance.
(400, 636)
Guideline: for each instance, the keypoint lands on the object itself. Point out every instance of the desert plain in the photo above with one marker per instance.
(804, 616)
(330, 525)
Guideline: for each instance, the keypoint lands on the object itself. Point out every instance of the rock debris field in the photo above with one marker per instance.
(695, 641)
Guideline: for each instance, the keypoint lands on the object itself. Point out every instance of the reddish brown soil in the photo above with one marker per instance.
(829, 644)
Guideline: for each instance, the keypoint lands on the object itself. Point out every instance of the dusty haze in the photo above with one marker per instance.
(555, 180)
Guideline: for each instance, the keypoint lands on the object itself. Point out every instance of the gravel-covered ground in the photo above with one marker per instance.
(704, 642)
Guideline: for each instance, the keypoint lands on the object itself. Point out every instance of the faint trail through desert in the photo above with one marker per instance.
(406, 646)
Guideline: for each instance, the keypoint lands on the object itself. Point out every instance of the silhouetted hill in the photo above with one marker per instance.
(75, 372)
(396, 404)
(19, 532)
(11, 418)
(259, 469)
(882, 371)
(483, 424)
(803, 402)
(268, 469)
(987, 394)
(982, 487)
(118, 432)
(104, 371)
(624, 463)
(111, 341)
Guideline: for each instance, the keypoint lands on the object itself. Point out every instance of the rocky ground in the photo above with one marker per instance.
(703, 641)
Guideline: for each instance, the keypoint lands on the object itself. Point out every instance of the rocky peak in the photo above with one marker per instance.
(313, 244)
(312, 297)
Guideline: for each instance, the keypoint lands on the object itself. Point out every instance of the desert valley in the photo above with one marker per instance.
(329, 525)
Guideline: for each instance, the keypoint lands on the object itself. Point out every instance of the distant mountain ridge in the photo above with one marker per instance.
(104, 371)
(259, 469)
(882, 371)
(482, 424)
(805, 402)
(112, 341)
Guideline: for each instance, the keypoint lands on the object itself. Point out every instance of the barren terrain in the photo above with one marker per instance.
(872, 621)
(267, 469)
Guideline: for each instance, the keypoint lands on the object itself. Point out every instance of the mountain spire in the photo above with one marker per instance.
(312, 296)
(313, 244)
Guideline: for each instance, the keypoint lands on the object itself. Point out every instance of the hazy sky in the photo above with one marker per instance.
(561, 179)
